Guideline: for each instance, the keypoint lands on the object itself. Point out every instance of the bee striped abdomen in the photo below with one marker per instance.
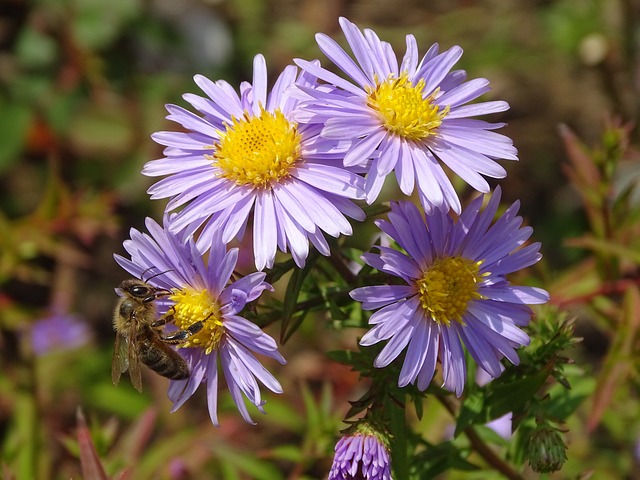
(163, 360)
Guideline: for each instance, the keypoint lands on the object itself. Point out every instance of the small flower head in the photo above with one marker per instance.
(243, 157)
(409, 117)
(362, 455)
(453, 292)
(205, 295)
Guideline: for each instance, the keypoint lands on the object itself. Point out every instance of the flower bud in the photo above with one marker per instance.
(547, 450)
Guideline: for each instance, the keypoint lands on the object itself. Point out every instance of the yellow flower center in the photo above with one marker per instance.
(447, 286)
(192, 306)
(402, 108)
(258, 151)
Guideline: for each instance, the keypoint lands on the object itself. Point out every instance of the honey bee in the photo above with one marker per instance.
(139, 335)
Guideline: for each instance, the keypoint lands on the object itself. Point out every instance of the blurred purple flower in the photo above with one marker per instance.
(244, 156)
(454, 291)
(407, 117)
(207, 293)
(502, 425)
(60, 331)
(360, 457)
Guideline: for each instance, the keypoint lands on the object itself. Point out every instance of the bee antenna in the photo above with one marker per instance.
(154, 275)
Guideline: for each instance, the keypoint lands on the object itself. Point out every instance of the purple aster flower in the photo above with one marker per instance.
(454, 291)
(207, 293)
(60, 331)
(407, 117)
(244, 156)
(360, 457)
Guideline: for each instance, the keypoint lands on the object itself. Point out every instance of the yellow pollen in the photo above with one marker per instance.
(403, 110)
(447, 286)
(192, 306)
(258, 151)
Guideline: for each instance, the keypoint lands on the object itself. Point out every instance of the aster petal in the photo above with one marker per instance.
(181, 390)
(373, 185)
(416, 351)
(484, 141)
(259, 83)
(454, 368)
(499, 344)
(481, 350)
(278, 98)
(327, 76)
(215, 114)
(361, 51)
(496, 313)
(236, 217)
(523, 258)
(337, 55)
(212, 387)
(389, 320)
(184, 140)
(500, 324)
(407, 228)
(400, 265)
(379, 56)
(322, 212)
(464, 93)
(228, 362)
(286, 197)
(427, 168)
(515, 294)
(264, 232)
(293, 235)
(364, 148)
(376, 296)
(251, 336)
(395, 345)
(450, 155)
(190, 121)
(437, 68)
(389, 153)
(168, 166)
(410, 59)
(318, 240)
(251, 370)
(220, 272)
(350, 126)
(331, 179)
(222, 94)
(405, 172)
(482, 108)
(346, 206)
(253, 284)
(188, 185)
(207, 204)
(428, 369)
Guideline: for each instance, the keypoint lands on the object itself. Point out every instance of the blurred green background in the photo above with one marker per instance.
(83, 84)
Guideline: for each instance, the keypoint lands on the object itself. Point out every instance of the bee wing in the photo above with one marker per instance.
(120, 361)
(134, 362)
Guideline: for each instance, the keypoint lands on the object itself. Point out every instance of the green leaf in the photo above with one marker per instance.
(14, 125)
(291, 317)
(499, 398)
(34, 49)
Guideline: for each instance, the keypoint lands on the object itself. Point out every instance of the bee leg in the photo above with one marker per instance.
(163, 320)
(182, 335)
